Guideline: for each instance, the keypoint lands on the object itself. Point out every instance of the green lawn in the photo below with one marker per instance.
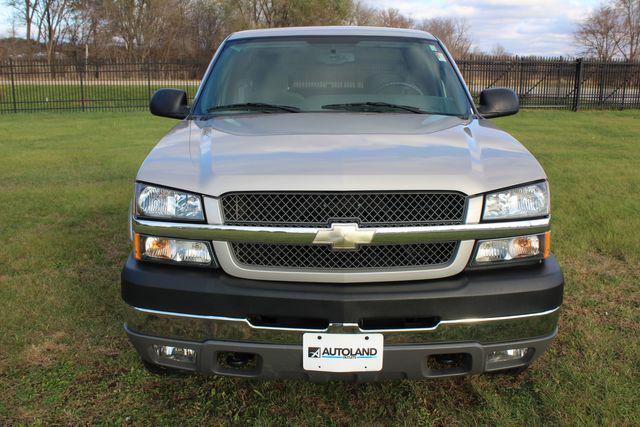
(64, 95)
(65, 184)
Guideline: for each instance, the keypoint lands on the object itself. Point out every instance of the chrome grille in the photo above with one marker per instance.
(369, 209)
(364, 258)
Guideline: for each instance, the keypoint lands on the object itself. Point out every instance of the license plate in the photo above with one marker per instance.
(342, 352)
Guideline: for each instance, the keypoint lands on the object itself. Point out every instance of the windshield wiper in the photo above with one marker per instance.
(373, 106)
(254, 106)
(385, 106)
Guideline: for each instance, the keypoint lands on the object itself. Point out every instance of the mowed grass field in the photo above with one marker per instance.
(64, 95)
(65, 185)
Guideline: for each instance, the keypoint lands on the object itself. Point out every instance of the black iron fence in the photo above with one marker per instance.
(558, 83)
(118, 85)
(104, 85)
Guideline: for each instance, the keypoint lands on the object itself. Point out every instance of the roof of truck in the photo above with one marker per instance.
(332, 31)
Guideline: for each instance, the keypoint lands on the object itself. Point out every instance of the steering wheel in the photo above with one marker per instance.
(401, 84)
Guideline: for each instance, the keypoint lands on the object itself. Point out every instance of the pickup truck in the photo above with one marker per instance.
(333, 205)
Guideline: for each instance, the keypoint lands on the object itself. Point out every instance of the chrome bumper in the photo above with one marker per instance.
(202, 328)
(306, 235)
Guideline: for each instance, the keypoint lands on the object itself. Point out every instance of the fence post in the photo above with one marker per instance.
(13, 86)
(148, 64)
(82, 86)
(521, 75)
(578, 85)
(601, 86)
(624, 84)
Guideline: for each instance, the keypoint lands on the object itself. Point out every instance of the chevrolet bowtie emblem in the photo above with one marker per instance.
(344, 236)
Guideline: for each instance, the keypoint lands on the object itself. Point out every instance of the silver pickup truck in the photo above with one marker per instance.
(333, 205)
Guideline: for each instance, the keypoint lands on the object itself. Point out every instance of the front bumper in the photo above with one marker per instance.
(473, 313)
(196, 328)
(285, 361)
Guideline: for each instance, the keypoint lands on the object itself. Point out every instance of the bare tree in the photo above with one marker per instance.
(454, 33)
(629, 21)
(275, 13)
(499, 50)
(599, 35)
(26, 12)
(321, 12)
(362, 14)
(13, 33)
(246, 14)
(51, 16)
(141, 30)
(125, 22)
(393, 18)
(146, 29)
(243, 13)
(207, 27)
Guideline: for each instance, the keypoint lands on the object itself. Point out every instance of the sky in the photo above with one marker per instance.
(523, 27)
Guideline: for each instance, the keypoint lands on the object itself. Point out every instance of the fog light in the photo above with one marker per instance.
(175, 251)
(175, 354)
(509, 355)
(510, 249)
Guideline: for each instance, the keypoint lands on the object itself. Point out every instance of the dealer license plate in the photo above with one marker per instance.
(342, 352)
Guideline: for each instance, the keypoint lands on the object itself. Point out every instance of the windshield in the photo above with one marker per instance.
(349, 73)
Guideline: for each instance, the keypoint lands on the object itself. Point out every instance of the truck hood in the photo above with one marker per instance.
(338, 152)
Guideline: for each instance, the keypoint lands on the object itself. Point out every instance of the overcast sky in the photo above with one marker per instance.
(524, 27)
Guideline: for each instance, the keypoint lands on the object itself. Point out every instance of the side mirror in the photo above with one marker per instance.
(498, 102)
(170, 103)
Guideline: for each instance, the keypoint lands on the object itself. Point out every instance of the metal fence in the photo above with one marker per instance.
(118, 85)
(558, 83)
(105, 85)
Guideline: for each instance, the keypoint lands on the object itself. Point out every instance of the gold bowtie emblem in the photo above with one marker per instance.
(344, 236)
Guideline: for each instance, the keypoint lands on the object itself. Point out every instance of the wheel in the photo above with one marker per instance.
(164, 371)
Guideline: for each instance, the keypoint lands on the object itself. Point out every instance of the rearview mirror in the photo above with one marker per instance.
(170, 103)
(498, 102)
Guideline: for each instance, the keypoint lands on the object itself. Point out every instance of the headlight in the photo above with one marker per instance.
(520, 202)
(512, 249)
(173, 251)
(163, 203)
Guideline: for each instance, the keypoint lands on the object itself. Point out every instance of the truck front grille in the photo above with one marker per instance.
(428, 255)
(319, 209)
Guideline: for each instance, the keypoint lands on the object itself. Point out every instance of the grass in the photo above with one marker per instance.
(64, 359)
(65, 95)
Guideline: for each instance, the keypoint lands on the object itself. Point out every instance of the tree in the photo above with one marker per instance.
(146, 29)
(247, 14)
(26, 12)
(453, 32)
(499, 50)
(207, 27)
(143, 30)
(393, 18)
(599, 35)
(362, 14)
(321, 12)
(628, 12)
(51, 16)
